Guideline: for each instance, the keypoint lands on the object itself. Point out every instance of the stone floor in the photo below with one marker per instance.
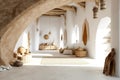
(89, 71)
(55, 73)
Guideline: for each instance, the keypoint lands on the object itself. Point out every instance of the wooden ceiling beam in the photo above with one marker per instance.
(85, 0)
(82, 4)
(55, 13)
(66, 7)
(60, 11)
(51, 15)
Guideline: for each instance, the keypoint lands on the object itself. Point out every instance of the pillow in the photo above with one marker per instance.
(67, 52)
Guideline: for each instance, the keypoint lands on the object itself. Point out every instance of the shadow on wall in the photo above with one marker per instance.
(103, 39)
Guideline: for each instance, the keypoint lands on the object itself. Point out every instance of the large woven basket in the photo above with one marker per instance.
(80, 53)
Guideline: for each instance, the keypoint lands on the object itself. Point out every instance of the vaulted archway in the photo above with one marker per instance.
(18, 25)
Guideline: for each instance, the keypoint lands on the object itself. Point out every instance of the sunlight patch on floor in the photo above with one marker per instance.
(61, 62)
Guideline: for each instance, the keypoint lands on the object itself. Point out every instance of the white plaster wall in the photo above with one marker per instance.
(50, 24)
(23, 39)
(37, 37)
(119, 41)
(34, 38)
(79, 20)
(38, 29)
(70, 21)
(62, 28)
(93, 27)
(115, 33)
(93, 23)
(87, 13)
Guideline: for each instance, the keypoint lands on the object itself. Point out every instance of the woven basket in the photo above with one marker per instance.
(79, 53)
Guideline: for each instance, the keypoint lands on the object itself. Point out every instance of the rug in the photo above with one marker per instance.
(63, 61)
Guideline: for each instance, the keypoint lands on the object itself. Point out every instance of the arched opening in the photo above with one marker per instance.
(103, 39)
(24, 19)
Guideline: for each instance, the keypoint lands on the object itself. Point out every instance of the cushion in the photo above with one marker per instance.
(67, 52)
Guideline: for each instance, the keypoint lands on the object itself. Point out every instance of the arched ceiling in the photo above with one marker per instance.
(9, 9)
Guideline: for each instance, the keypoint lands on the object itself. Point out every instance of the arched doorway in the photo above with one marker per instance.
(18, 25)
(103, 39)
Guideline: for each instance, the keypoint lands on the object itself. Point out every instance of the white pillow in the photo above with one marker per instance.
(67, 52)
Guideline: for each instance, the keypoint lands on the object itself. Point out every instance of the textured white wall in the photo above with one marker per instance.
(87, 13)
(50, 24)
(23, 39)
(115, 33)
(45, 25)
(79, 20)
(70, 20)
(93, 27)
(34, 37)
(119, 41)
